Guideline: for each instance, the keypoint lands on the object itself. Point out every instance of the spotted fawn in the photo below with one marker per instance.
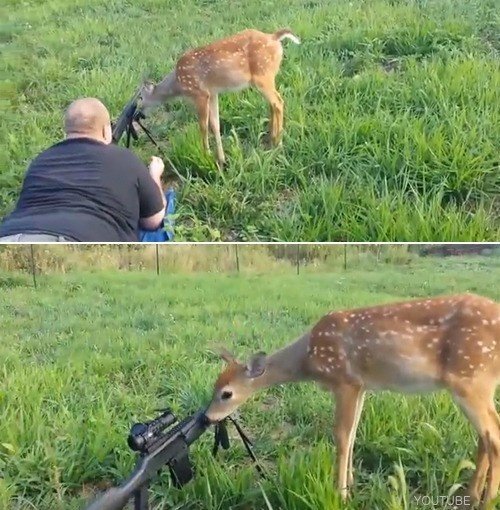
(449, 342)
(248, 58)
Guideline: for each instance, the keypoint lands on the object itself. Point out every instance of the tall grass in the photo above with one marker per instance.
(201, 258)
(220, 258)
(85, 355)
(171, 258)
(391, 115)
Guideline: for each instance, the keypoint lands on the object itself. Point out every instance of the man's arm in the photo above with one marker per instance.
(151, 197)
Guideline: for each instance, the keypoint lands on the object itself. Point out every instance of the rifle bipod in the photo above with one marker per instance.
(132, 133)
(222, 439)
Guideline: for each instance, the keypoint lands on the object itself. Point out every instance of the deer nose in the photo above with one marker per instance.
(210, 418)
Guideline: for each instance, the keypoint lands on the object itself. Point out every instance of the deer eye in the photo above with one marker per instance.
(226, 395)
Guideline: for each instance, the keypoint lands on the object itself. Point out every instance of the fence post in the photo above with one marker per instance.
(298, 258)
(237, 259)
(157, 261)
(33, 267)
(345, 257)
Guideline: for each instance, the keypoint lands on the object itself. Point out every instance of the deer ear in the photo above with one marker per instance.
(227, 356)
(257, 365)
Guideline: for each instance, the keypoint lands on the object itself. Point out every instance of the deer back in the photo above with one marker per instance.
(409, 346)
(231, 63)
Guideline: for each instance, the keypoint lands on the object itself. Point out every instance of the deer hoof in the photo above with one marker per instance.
(345, 494)
(274, 143)
(487, 505)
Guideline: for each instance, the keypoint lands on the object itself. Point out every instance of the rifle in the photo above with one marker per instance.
(156, 449)
(125, 124)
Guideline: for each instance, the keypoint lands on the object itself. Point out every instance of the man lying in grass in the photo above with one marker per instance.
(85, 189)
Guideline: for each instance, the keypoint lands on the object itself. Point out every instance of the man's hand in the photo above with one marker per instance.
(156, 167)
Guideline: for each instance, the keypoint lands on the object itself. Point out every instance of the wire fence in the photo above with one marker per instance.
(37, 260)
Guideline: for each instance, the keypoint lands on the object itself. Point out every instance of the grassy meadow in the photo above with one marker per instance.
(392, 123)
(86, 354)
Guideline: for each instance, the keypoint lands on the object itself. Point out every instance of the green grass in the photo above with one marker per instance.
(392, 124)
(85, 355)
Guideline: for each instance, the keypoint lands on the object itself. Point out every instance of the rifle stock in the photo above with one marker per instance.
(113, 499)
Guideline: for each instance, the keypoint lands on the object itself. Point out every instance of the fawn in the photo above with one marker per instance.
(449, 342)
(248, 58)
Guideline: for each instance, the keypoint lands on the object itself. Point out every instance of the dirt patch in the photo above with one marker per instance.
(390, 65)
(90, 490)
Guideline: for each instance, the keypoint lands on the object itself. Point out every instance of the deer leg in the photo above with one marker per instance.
(347, 397)
(268, 90)
(483, 416)
(359, 409)
(201, 102)
(279, 119)
(493, 449)
(215, 127)
(272, 125)
(477, 483)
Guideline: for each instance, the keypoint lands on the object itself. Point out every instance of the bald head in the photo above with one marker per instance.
(88, 117)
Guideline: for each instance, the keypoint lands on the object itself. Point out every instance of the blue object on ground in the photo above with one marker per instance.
(165, 232)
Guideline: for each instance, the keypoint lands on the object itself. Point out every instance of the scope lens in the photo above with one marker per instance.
(135, 442)
(136, 439)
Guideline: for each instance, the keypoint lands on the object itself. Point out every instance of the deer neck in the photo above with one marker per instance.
(286, 365)
(167, 88)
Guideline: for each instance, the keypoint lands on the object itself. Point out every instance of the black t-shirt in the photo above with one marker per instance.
(86, 191)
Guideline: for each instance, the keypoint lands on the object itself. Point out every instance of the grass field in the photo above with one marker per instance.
(391, 119)
(85, 355)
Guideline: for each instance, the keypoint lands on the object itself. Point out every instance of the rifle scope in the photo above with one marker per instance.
(144, 434)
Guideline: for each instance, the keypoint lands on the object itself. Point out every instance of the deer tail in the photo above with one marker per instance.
(286, 33)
